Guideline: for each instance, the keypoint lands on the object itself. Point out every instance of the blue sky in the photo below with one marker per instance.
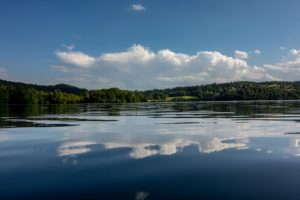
(143, 44)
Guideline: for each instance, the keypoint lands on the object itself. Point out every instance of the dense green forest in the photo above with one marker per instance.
(230, 91)
(21, 93)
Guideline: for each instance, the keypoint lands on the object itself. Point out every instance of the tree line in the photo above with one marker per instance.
(21, 93)
(274, 90)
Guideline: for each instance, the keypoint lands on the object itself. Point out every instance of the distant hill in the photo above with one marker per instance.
(63, 88)
(49, 88)
(22, 93)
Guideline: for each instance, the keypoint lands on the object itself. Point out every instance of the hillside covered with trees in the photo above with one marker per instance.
(21, 93)
(230, 92)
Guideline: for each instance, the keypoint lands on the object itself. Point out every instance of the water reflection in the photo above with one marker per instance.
(143, 150)
(160, 129)
(153, 150)
(204, 145)
(141, 195)
(3, 136)
(147, 138)
(74, 148)
(294, 146)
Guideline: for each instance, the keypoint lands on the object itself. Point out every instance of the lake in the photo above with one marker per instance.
(188, 150)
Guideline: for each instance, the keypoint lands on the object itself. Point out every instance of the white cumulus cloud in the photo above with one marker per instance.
(138, 7)
(139, 67)
(76, 58)
(136, 53)
(240, 54)
(288, 68)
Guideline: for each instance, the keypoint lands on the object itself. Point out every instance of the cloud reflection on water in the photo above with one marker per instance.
(74, 148)
(3, 136)
(145, 138)
(165, 129)
(294, 146)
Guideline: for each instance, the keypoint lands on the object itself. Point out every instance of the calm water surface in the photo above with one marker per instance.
(197, 150)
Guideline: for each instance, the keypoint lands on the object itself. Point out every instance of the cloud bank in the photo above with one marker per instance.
(288, 68)
(141, 68)
(240, 54)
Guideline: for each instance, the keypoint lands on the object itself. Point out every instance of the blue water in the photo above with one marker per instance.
(193, 150)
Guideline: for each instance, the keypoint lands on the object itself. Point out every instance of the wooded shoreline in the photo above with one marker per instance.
(21, 93)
